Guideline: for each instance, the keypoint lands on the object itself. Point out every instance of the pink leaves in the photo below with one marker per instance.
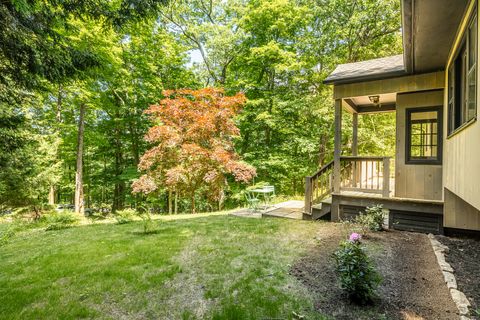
(145, 184)
(192, 139)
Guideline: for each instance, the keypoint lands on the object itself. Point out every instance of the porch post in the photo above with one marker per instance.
(355, 148)
(355, 134)
(336, 158)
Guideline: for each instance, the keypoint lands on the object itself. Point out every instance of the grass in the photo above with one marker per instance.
(212, 266)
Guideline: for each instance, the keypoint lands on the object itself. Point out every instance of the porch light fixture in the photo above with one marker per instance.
(374, 99)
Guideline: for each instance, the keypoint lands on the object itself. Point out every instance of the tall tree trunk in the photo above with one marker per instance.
(322, 149)
(221, 199)
(135, 150)
(58, 117)
(51, 196)
(176, 202)
(193, 202)
(119, 191)
(79, 206)
(170, 202)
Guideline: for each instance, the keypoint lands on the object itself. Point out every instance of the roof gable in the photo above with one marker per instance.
(374, 69)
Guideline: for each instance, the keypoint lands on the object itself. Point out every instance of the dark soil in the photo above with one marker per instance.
(412, 286)
(464, 257)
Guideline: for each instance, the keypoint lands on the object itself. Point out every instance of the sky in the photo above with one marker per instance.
(195, 57)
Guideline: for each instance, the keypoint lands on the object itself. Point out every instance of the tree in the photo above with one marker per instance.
(27, 161)
(209, 27)
(193, 144)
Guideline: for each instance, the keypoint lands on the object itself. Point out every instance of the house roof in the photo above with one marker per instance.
(374, 69)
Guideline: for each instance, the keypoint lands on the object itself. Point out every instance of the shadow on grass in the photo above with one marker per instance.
(145, 233)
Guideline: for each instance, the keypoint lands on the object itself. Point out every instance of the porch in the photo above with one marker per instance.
(411, 190)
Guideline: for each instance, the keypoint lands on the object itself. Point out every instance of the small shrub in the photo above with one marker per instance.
(357, 274)
(125, 216)
(61, 220)
(6, 235)
(372, 219)
(148, 224)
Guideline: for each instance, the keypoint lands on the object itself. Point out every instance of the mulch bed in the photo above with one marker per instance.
(464, 257)
(412, 287)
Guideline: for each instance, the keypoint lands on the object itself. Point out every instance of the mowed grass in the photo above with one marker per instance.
(215, 267)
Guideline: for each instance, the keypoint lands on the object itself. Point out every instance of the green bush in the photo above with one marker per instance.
(357, 274)
(148, 224)
(125, 216)
(6, 235)
(372, 219)
(61, 220)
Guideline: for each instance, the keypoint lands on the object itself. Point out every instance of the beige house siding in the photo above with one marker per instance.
(459, 214)
(415, 181)
(461, 160)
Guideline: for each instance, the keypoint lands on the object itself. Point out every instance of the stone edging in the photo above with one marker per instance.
(458, 297)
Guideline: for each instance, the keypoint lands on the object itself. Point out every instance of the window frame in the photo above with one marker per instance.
(457, 122)
(408, 135)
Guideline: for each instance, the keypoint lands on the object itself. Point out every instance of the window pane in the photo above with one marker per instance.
(416, 152)
(472, 94)
(451, 122)
(472, 44)
(451, 82)
(423, 135)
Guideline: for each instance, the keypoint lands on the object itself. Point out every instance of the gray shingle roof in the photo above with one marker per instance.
(370, 69)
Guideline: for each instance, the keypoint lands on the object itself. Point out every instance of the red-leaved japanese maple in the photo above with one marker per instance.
(192, 144)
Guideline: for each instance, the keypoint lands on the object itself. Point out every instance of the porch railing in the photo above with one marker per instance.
(363, 174)
(366, 174)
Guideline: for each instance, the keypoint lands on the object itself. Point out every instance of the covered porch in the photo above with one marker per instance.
(352, 181)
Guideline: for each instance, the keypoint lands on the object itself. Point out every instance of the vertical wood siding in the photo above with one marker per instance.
(461, 160)
(415, 181)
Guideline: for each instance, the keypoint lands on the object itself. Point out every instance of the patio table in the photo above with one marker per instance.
(266, 193)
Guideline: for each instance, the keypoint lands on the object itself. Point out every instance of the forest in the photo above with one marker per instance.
(78, 78)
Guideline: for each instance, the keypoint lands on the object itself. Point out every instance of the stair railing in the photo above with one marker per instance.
(318, 186)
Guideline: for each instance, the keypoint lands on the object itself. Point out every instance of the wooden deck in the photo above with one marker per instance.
(292, 209)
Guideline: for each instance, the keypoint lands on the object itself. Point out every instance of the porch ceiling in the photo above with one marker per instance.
(387, 98)
(429, 29)
(363, 105)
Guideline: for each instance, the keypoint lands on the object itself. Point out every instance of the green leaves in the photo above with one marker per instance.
(357, 275)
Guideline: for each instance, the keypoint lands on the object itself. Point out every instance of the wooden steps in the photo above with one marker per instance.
(322, 209)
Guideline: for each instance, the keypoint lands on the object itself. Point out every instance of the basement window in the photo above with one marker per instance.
(462, 82)
(424, 135)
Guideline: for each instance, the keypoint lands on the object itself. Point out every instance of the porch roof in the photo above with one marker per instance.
(375, 69)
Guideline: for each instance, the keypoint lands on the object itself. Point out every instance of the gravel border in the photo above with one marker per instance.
(458, 297)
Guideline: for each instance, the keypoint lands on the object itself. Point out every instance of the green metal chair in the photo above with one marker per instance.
(252, 201)
(269, 196)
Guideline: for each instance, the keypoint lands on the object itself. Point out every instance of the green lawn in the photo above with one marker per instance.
(219, 267)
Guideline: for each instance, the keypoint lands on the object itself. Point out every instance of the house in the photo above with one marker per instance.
(433, 183)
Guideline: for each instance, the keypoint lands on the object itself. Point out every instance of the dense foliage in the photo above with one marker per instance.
(77, 76)
(356, 272)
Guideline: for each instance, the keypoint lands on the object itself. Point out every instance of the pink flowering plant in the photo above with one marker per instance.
(356, 271)
(355, 237)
